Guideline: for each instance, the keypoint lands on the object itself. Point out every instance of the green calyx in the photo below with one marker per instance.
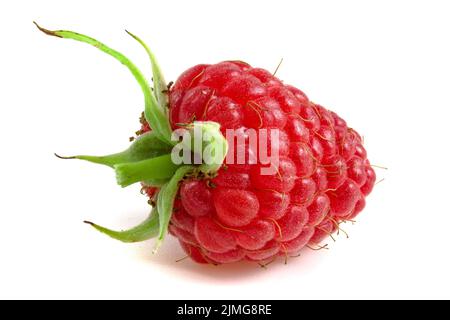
(151, 159)
(209, 147)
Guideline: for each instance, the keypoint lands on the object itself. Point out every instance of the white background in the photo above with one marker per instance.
(382, 65)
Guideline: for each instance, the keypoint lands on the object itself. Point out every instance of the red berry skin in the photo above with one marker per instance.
(232, 178)
(183, 235)
(272, 204)
(343, 200)
(264, 112)
(320, 178)
(255, 235)
(318, 209)
(327, 139)
(244, 89)
(194, 252)
(273, 144)
(194, 104)
(244, 66)
(299, 94)
(175, 99)
(357, 170)
(321, 232)
(270, 250)
(225, 257)
(359, 206)
(292, 223)
(303, 192)
(336, 169)
(189, 78)
(224, 111)
(213, 237)
(310, 117)
(294, 246)
(370, 181)
(323, 176)
(196, 198)
(287, 100)
(182, 220)
(304, 161)
(360, 151)
(297, 129)
(264, 76)
(282, 181)
(235, 208)
(217, 75)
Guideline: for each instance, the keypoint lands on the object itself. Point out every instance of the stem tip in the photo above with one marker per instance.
(46, 31)
(65, 158)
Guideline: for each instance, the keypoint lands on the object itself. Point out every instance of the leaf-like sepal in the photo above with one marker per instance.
(159, 83)
(165, 202)
(154, 114)
(148, 229)
(146, 146)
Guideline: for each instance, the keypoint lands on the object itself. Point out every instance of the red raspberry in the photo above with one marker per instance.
(323, 180)
(236, 213)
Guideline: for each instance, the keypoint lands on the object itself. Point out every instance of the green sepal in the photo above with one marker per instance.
(159, 83)
(154, 114)
(158, 168)
(144, 147)
(148, 229)
(165, 202)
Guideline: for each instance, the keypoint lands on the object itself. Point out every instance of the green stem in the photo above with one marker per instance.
(154, 114)
(156, 168)
(148, 229)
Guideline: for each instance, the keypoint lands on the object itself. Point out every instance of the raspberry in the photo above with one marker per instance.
(322, 179)
(233, 212)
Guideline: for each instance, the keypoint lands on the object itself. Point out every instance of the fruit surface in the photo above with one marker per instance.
(324, 175)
